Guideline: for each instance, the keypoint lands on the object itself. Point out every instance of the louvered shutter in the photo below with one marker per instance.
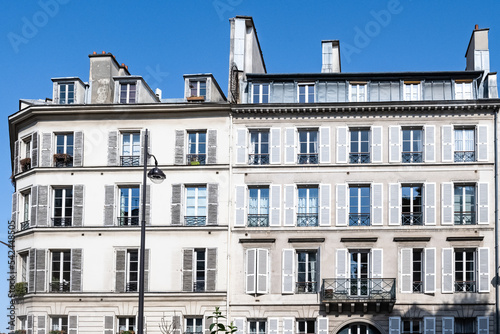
(241, 146)
(376, 132)
(394, 325)
(483, 269)
(30, 324)
(32, 270)
(113, 155)
(447, 271)
(275, 140)
(14, 209)
(324, 145)
(34, 206)
(143, 144)
(211, 269)
(290, 146)
(179, 147)
(78, 149)
(109, 205)
(251, 264)
(430, 270)
(240, 325)
(40, 259)
(447, 324)
(394, 144)
(483, 212)
(287, 274)
(447, 143)
(341, 270)
(275, 205)
(429, 325)
(272, 324)
(325, 203)
(34, 149)
(46, 150)
(322, 325)
(482, 143)
(73, 324)
(377, 267)
(43, 198)
(429, 143)
(41, 324)
(406, 270)
(342, 144)
(76, 270)
(240, 215)
(262, 270)
(212, 147)
(17, 154)
(377, 204)
(148, 203)
(447, 203)
(187, 270)
(213, 204)
(120, 267)
(109, 322)
(288, 325)
(483, 325)
(175, 207)
(341, 205)
(290, 191)
(146, 269)
(430, 204)
(77, 205)
(394, 206)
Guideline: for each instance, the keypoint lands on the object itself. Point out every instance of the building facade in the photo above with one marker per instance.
(302, 203)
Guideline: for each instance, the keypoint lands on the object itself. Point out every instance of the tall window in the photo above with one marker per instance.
(257, 327)
(64, 150)
(129, 206)
(25, 221)
(59, 324)
(306, 326)
(418, 269)
(25, 161)
(411, 326)
(464, 145)
(66, 93)
(412, 91)
(24, 267)
(465, 270)
(132, 270)
(307, 213)
(200, 270)
(306, 271)
(308, 147)
(128, 92)
(126, 324)
(131, 149)
(197, 146)
(63, 206)
(357, 92)
(359, 205)
(411, 200)
(359, 272)
(260, 93)
(259, 147)
(194, 326)
(360, 146)
(465, 325)
(412, 145)
(61, 271)
(258, 206)
(198, 88)
(306, 93)
(463, 90)
(464, 204)
(196, 206)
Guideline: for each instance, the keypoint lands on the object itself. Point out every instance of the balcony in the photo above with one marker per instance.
(132, 287)
(305, 287)
(304, 159)
(307, 219)
(25, 225)
(130, 160)
(61, 221)
(57, 286)
(62, 160)
(258, 220)
(464, 156)
(359, 158)
(465, 286)
(465, 218)
(195, 220)
(196, 159)
(128, 221)
(411, 157)
(258, 159)
(411, 218)
(359, 219)
(199, 286)
(418, 286)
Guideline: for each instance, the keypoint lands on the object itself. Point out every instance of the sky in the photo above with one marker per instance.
(163, 39)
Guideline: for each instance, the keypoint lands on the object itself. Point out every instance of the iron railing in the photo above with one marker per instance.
(132, 286)
(195, 220)
(376, 289)
(258, 220)
(258, 159)
(61, 221)
(25, 225)
(465, 156)
(128, 221)
(196, 159)
(305, 287)
(130, 160)
(304, 159)
(411, 157)
(359, 219)
(199, 286)
(418, 286)
(59, 162)
(59, 286)
(359, 158)
(307, 219)
(411, 218)
(465, 218)
(465, 286)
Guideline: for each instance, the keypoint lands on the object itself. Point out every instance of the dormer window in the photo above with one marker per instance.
(66, 93)
(306, 93)
(463, 89)
(198, 88)
(260, 93)
(128, 92)
(412, 91)
(357, 91)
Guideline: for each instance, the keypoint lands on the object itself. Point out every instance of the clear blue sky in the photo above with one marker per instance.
(164, 39)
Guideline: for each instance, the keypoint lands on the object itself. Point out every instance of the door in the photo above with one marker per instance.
(359, 268)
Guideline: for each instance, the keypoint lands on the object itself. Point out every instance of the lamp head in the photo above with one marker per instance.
(156, 175)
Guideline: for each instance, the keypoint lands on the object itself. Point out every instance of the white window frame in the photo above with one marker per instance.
(422, 272)
(308, 208)
(128, 269)
(196, 142)
(127, 323)
(56, 323)
(463, 141)
(464, 271)
(463, 203)
(258, 324)
(259, 94)
(26, 147)
(358, 92)
(307, 272)
(128, 205)
(305, 322)
(359, 197)
(63, 88)
(359, 142)
(259, 198)
(412, 140)
(413, 193)
(197, 200)
(195, 269)
(259, 143)
(24, 266)
(463, 90)
(132, 144)
(307, 88)
(61, 261)
(126, 87)
(65, 144)
(64, 196)
(195, 85)
(412, 91)
(195, 321)
(26, 206)
(412, 321)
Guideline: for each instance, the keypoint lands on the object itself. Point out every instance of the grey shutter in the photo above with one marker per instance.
(262, 270)
(30, 324)
(187, 270)
(406, 270)
(482, 143)
(148, 204)
(447, 203)
(277, 95)
(376, 143)
(430, 204)
(341, 271)
(46, 150)
(250, 274)
(76, 270)
(34, 206)
(430, 270)
(14, 209)
(32, 271)
(213, 203)
(40, 270)
(447, 271)
(109, 322)
(288, 325)
(342, 144)
(43, 198)
(77, 205)
(34, 149)
(429, 325)
(325, 204)
(211, 269)
(240, 216)
(394, 325)
(483, 212)
(73, 324)
(179, 147)
(290, 149)
(447, 325)
(212, 147)
(483, 269)
(290, 191)
(146, 269)
(377, 204)
(120, 269)
(113, 156)
(175, 207)
(143, 137)
(109, 205)
(17, 145)
(377, 263)
(240, 325)
(322, 325)
(430, 151)
(275, 141)
(341, 205)
(272, 324)
(78, 149)
(394, 144)
(324, 145)
(41, 324)
(241, 146)
(275, 206)
(287, 273)
(289, 92)
(394, 207)
(483, 326)
(447, 143)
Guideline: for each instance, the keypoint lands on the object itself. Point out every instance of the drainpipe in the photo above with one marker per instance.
(497, 291)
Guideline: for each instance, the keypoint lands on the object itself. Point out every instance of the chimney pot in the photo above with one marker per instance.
(477, 27)
(126, 67)
(104, 52)
(123, 64)
(94, 52)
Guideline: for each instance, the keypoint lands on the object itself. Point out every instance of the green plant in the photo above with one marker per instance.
(216, 327)
(20, 331)
(127, 332)
(57, 332)
(20, 289)
(62, 157)
(195, 163)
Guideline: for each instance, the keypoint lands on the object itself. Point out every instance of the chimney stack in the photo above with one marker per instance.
(478, 54)
(331, 56)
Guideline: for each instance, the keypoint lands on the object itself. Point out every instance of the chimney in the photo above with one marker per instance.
(103, 67)
(478, 54)
(331, 56)
(158, 93)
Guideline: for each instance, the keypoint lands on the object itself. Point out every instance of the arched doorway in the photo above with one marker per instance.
(359, 328)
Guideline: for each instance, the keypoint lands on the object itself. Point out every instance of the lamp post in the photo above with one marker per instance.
(157, 176)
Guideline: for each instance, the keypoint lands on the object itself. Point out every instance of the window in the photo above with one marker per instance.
(464, 145)
(360, 146)
(465, 325)
(357, 92)
(464, 204)
(463, 90)
(465, 270)
(411, 326)
(194, 326)
(126, 324)
(306, 93)
(66, 93)
(412, 91)
(198, 88)
(256, 326)
(59, 323)
(129, 206)
(411, 205)
(128, 92)
(412, 145)
(359, 205)
(26, 207)
(256, 271)
(306, 272)
(308, 147)
(306, 326)
(196, 206)
(359, 272)
(131, 149)
(260, 93)
(200, 266)
(307, 213)
(417, 271)
(197, 146)
(64, 150)
(61, 271)
(23, 323)
(258, 207)
(259, 147)
(24, 266)
(63, 207)
(26, 153)
(132, 270)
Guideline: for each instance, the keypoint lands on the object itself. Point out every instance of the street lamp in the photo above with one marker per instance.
(156, 176)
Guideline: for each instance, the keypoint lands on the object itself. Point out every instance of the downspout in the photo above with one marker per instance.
(230, 214)
(497, 291)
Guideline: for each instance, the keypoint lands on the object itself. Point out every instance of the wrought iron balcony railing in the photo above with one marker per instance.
(258, 159)
(359, 158)
(305, 287)
(307, 219)
(195, 220)
(57, 286)
(25, 225)
(359, 219)
(63, 162)
(61, 221)
(132, 287)
(196, 159)
(341, 289)
(130, 160)
(128, 221)
(465, 286)
(258, 220)
(411, 157)
(465, 218)
(411, 218)
(465, 156)
(418, 286)
(199, 286)
(304, 159)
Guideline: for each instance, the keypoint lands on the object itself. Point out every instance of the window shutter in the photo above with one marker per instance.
(483, 212)
(324, 145)
(288, 271)
(290, 191)
(109, 322)
(430, 204)
(429, 148)
(322, 325)
(16, 164)
(40, 270)
(447, 203)
(429, 325)
(377, 204)
(30, 324)
(376, 143)
(109, 205)
(34, 206)
(394, 206)
(240, 216)
(447, 143)
(46, 150)
(430, 270)
(406, 270)
(341, 205)
(73, 324)
(272, 324)
(14, 209)
(208, 323)
(251, 264)
(78, 149)
(175, 207)
(288, 325)
(41, 324)
(325, 203)
(143, 138)
(483, 269)
(447, 275)
(290, 154)
(262, 270)
(187, 270)
(275, 205)
(212, 147)
(241, 146)
(32, 270)
(121, 264)
(76, 270)
(394, 144)
(213, 204)
(148, 204)
(34, 149)
(240, 325)
(77, 205)
(289, 92)
(377, 261)
(447, 324)
(275, 141)
(179, 147)
(113, 159)
(394, 325)
(342, 144)
(482, 143)
(341, 269)
(146, 269)
(42, 214)
(211, 268)
(483, 325)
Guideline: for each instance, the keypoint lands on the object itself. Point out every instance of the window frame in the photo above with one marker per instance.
(126, 88)
(260, 218)
(198, 89)
(311, 154)
(195, 320)
(415, 88)
(63, 88)
(258, 324)
(131, 284)
(62, 220)
(24, 266)
(307, 286)
(306, 323)
(196, 219)
(307, 215)
(463, 203)
(199, 285)
(464, 155)
(134, 148)
(26, 210)
(359, 157)
(197, 154)
(355, 86)
(411, 322)
(412, 217)
(127, 323)
(257, 157)
(129, 219)
(60, 280)
(412, 156)
(307, 94)
(62, 323)
(261, 96)
(465, 285)
(461, 93)
(362, 218)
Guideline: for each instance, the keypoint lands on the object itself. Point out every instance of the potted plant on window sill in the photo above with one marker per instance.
(20, 331)
(20, 289)
(196, 98)
(195, 163)
(57, 332)
(25, 164)
(127, 332)
(62, 158)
